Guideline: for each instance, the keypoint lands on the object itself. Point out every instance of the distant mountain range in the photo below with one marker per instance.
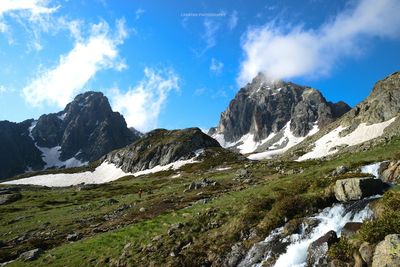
(267, 118)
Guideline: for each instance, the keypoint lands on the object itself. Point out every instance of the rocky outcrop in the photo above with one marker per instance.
(17, 151)
(31, 254)
(391, 174)
(160, 147)
(358, 188)
(83, 132)
(317, 251)
(265, 106)
(387, 252)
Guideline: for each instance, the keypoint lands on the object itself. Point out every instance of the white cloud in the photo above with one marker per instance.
(211, 27)
(60, 84)
(216, 66)
(233, 20)
(141, 105)
(299, 52)
(33, 7)
(139, 13)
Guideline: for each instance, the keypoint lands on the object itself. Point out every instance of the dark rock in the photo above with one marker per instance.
(86, 129)
(9, 198)
(358, 188)
(317, 251)
(31, 254)
(74, 237)
(160, 147)
(351, 228)
(340, 170)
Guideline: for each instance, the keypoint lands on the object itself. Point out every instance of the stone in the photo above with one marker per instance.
(317, 251)
(358, 188)
(31, 254)
(340, 170)
(350, 228)
(142, 209)
(73, 237)
(391, 174)
(367, 252)
(9, 198)
(387, 252)
(201, 184)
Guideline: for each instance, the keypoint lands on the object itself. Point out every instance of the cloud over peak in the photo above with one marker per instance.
(298, 52)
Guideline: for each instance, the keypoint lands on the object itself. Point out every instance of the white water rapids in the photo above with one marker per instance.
(331, 218)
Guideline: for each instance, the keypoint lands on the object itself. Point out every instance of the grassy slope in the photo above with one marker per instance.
(236, 207)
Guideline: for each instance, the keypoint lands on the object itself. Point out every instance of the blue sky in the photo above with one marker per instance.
(177, 64)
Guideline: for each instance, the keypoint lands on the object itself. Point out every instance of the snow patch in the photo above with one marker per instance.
(326, 144)
(172, 166)
(104, 173)
(287, 136)
(62, 116)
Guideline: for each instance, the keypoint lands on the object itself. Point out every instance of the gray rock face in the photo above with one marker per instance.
(86, 129)
(264, 106)
(387, 252)
(358, 188)
(31, 254)
(160, 147)
(317, 251)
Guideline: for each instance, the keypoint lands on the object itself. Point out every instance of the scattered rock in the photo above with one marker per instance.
(174, 227)
(8, 198)
(387, 252)
(31, 254)
(142, 209)
(200, 184)
(235, 255)
(339, 170)
(317, 251)
(351, 228)
(357, 188)
(242, 174)
(73, 237)
(367, 252)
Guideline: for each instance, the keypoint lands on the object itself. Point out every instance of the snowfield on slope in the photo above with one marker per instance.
(287, 136)
(106, 172)
(327, 144)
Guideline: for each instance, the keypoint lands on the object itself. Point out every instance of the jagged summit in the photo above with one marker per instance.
(84, 131)
(268, 114)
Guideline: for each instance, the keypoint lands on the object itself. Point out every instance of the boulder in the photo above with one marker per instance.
(350, 228)
(200, 184)
(387, 252)
(8, 198)
(317, 251)
(391, 174)
(367, 252)
(358, 188)
(31, 254)
(73, 237)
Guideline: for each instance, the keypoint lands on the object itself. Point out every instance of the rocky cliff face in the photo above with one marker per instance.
(84, 131)
(371, 122)
(264, 107)
(160, 147)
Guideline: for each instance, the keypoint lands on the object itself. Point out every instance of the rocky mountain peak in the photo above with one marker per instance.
(266, 107)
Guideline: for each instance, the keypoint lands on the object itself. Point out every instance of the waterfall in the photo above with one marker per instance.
(294, 251)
